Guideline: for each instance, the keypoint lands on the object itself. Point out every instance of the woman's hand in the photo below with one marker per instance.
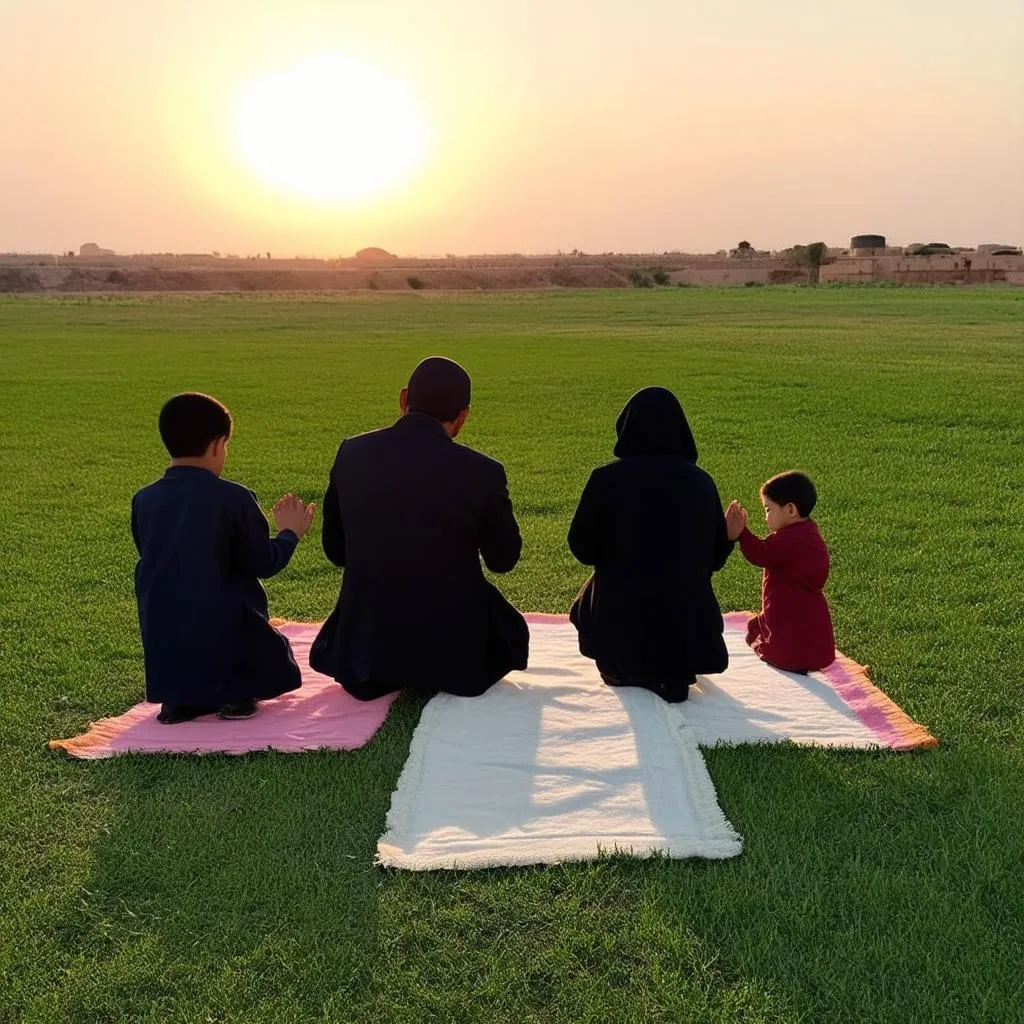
(735, 520)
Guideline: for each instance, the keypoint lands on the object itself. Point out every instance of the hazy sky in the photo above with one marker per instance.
(549, 124)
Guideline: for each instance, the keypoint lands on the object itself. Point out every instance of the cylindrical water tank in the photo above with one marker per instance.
(867, 242)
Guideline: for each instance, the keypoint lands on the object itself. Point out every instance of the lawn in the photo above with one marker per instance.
(873, 887)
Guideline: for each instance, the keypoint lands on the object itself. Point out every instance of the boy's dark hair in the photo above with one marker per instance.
(794, 487)
(190, 422)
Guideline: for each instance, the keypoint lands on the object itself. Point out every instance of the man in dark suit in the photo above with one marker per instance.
(409, 514)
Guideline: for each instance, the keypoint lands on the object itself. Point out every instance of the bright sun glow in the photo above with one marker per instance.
(330, 129)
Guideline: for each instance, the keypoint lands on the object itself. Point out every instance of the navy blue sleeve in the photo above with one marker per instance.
(254, 551)
(135, 524)
(333, 529)
(500, 540)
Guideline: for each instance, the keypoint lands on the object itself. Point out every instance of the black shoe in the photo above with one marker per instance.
(673, 693)
(239, 709)
(172, 714)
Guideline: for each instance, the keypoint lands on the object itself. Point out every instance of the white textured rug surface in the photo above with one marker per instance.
(751, 702)
(552, 765)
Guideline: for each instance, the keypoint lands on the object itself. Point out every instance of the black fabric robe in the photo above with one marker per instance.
(652, 526)
(409, 513)
(203, 544)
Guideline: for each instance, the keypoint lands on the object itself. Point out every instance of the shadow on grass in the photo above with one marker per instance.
(234, 888)
(872, 887)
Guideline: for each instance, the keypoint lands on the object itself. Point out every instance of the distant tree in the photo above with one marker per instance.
(660, 275)
(268, 255)
(743, 249)
(811, 256)
(416, 283)
(817, 254)
(639, 278)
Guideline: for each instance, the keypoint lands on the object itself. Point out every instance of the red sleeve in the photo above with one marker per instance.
(766, 553)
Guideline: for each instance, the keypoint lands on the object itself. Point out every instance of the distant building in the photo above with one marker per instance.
(92, 249)
(867, 245)
(998, 249)
(373, 255)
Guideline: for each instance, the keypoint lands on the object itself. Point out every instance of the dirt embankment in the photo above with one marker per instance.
(383, 278)
(170, 273)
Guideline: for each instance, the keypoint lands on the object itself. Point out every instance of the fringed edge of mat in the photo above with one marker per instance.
(93, 744)
(876, 709)
(406, 792)
(554, 852)
(699, 783)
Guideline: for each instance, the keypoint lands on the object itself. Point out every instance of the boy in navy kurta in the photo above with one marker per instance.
(203, 546)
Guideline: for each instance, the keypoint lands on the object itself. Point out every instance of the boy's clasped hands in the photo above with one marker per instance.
(290, 513)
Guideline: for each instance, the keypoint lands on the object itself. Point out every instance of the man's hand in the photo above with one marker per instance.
(291, 514)
(735, 520)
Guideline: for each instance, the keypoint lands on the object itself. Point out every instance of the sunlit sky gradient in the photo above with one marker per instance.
(552, 124)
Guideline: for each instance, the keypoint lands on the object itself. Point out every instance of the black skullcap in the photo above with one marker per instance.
(439, 387)
(653, 423)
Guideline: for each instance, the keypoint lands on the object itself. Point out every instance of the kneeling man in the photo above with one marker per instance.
(409, 514)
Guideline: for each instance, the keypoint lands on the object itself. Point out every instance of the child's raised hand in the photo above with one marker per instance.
(735, 520)
(291, 514)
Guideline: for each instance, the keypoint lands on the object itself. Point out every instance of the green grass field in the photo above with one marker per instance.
(873, 887)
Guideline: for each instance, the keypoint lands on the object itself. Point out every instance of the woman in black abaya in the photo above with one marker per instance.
(652, 526)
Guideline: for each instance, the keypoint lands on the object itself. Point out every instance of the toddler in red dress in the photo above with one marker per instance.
(794, 628)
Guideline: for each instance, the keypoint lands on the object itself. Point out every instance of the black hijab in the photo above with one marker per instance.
(653, 423)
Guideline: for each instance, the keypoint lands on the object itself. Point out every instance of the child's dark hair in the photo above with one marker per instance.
(190, 422)
(794, 487)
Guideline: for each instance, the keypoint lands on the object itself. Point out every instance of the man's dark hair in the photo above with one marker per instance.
(439, 387)
(190, 422)
(794, 487)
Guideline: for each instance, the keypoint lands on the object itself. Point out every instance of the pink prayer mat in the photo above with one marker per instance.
(320, 715)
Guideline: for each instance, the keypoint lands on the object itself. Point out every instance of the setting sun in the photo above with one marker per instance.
(330, 129)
